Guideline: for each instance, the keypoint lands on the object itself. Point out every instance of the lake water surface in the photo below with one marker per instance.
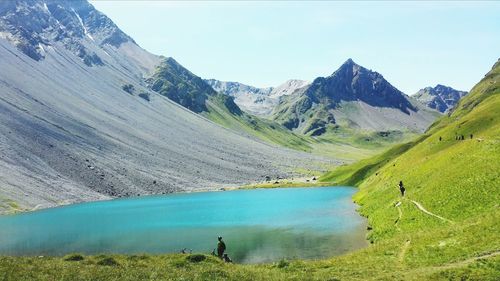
(258, 225)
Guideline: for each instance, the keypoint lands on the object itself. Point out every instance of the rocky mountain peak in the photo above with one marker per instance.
(440, 97)
(33, 26)
(334, 99)
(352, 82)
(349, 62)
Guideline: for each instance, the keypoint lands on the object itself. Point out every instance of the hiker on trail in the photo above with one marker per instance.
(221, 247)
(226, 258)
(402, 188)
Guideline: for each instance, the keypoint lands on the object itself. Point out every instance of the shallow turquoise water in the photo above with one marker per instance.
(258, 225)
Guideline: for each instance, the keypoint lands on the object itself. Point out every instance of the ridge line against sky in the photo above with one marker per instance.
(413, 44)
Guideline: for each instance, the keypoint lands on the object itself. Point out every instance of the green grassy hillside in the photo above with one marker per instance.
(354, 174)
(223, 111)
(456, 178)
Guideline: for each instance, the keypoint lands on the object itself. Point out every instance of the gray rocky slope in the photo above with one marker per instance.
(70, 130)
(353, 98)
(441, 98)
(257, 101)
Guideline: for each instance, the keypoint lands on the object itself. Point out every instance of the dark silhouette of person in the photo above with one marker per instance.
(221, 247)
(402, 188)
(226, 258)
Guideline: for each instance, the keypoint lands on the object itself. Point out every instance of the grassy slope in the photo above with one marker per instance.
(260, 128)
(458, 179)
(353, 174)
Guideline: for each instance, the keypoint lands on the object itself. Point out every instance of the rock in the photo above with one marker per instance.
(441, 98)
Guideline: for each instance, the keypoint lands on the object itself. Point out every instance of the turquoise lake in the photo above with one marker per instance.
(258, 225)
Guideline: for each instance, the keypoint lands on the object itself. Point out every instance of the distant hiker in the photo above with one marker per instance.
(221, 247)
(226, 258)
(402, 188)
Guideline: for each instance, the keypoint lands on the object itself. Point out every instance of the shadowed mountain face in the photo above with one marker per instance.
(180, 85)
(441, 98)
(73, 131)
(352, 82)
(340, 98)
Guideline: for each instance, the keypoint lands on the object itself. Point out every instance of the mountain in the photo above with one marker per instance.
(180, 85)
(250, 99)
(256, 101)
(172, 80)
(287, 88)
(441, 98)
(353, 97)
(35, 27)
(79, 121)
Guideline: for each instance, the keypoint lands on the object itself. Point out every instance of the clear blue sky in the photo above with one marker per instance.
(413, 44)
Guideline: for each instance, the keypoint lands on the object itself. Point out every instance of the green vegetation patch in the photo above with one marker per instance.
(74, 257)
(108, 261)
(196, 258)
